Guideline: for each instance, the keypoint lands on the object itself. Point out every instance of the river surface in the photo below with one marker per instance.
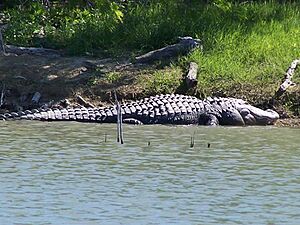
(76, 173)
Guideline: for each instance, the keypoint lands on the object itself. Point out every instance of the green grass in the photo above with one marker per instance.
(162, 81)
(256, 54)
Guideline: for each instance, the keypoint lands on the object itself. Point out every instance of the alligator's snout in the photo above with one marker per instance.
(256, 116)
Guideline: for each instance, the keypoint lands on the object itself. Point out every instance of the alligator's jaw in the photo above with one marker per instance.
(256, 116)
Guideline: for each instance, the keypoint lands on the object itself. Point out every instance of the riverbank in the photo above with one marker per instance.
(247, 48)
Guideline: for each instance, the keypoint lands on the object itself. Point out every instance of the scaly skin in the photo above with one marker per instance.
(161, 109)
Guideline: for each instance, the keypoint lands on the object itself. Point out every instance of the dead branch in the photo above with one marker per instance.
(287, 82)
(83, 102)
(191, 78)
(31, 51)
(36, 97)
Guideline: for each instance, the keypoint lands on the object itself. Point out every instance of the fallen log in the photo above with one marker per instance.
(191, 78)
(36, 98)
(183, 47)
(287, 82)
(31, 51)
(17, 50)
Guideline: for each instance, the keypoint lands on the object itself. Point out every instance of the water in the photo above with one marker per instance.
(65, 173)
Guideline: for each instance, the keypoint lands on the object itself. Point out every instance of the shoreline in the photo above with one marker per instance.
(288, 122)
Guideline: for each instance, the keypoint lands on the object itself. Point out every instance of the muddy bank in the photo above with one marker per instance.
(58, 78)
(288, 122)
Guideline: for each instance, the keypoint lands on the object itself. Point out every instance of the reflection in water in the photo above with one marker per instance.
(65, 173)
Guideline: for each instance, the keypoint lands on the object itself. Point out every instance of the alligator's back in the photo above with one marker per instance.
(160, 109)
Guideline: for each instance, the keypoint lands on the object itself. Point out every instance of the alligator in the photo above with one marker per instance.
(160, 109)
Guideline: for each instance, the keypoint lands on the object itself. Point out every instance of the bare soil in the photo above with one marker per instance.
(288, 122)
(58, 78)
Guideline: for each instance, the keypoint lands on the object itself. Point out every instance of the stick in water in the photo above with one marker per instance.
(119, 121)
(192, 141)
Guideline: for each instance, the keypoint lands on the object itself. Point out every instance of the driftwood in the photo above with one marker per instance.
(287, 82)
(36, 97)
(191, 78)
(11, 49)
(31, 51)
(183, 47)
(83, 102)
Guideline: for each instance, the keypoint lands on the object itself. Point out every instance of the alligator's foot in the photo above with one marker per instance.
(208, 120)
(132, 121)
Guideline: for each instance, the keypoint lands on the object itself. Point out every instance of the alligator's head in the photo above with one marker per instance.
(255, 116)
(237, 112)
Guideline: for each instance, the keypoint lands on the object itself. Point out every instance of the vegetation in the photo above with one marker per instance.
(247, 44)
(166, 81)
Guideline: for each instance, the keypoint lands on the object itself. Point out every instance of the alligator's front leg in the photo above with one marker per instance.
(208, 120)
(132, 121)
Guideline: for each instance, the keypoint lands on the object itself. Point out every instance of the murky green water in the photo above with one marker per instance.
(65, 173)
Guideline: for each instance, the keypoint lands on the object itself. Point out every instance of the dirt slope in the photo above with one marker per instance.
(57, 78)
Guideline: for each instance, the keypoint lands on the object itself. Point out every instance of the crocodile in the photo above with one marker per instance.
(160, 109)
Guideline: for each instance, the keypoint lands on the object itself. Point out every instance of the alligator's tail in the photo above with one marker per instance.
(160, 109)
(82, 114)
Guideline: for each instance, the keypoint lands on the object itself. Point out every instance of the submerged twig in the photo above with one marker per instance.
(120, 123)
(192, 141)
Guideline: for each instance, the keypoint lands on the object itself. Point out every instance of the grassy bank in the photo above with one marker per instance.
(247, 46)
